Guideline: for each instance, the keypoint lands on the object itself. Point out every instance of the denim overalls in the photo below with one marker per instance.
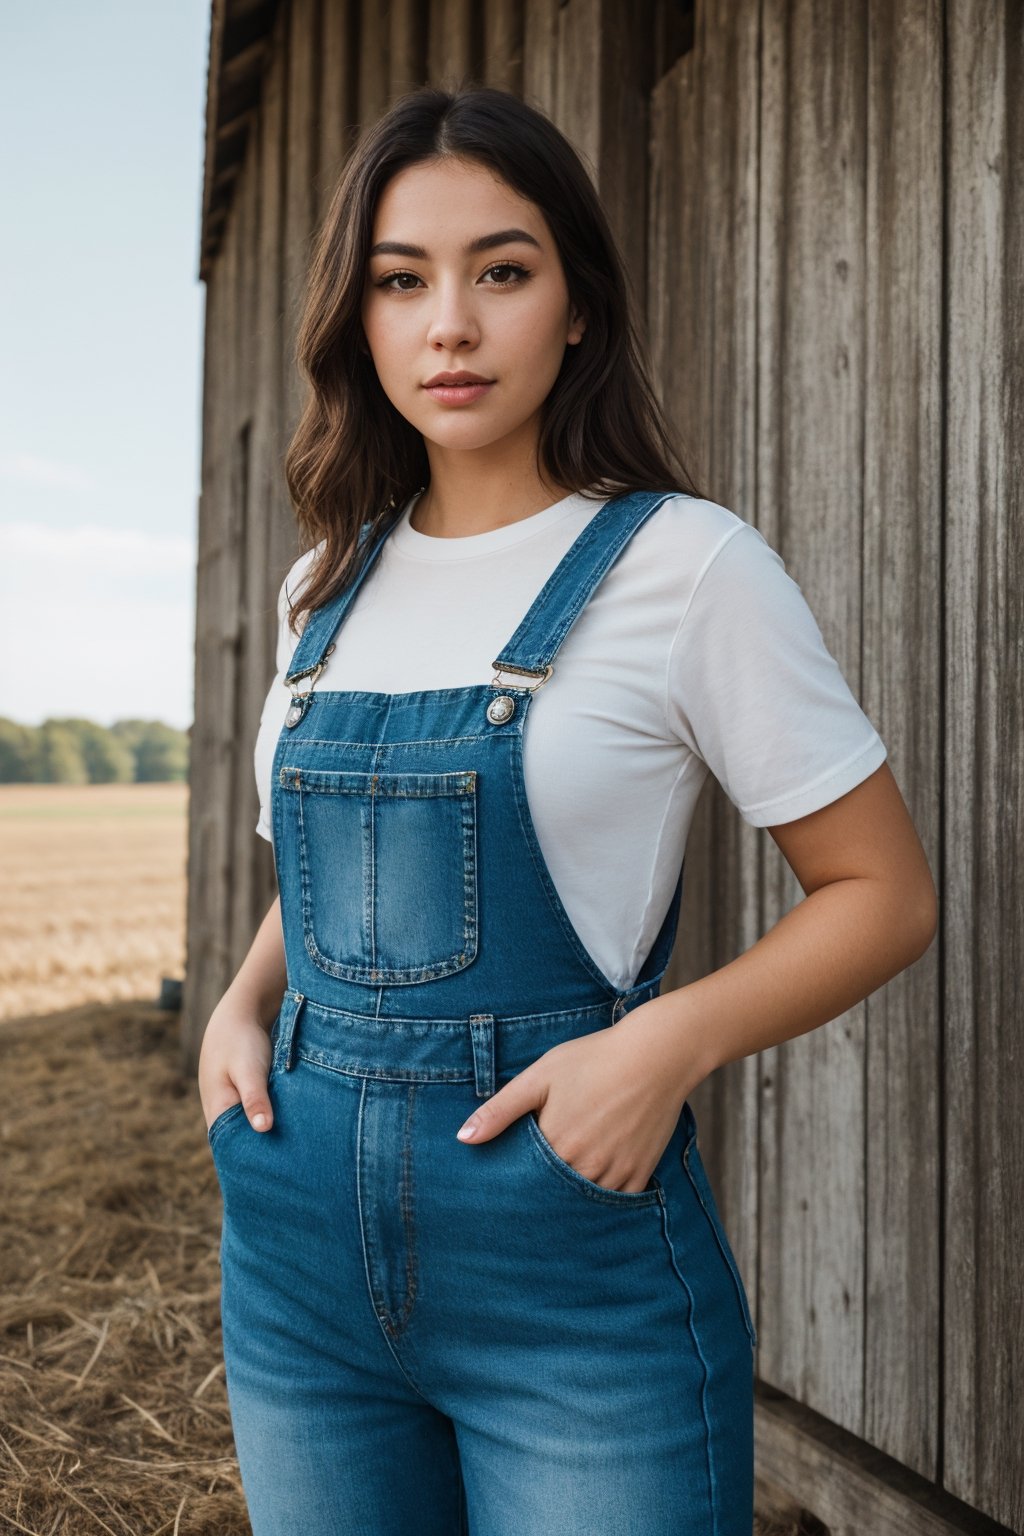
(424, 1337)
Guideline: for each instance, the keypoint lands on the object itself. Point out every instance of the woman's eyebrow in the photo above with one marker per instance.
(481, 243)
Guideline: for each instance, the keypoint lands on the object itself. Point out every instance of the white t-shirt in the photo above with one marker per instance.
(697, 651)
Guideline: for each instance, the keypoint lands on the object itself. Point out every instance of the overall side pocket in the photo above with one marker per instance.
(225, 1117)
(578, 1181)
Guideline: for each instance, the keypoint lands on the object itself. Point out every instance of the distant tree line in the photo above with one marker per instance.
(70, 750)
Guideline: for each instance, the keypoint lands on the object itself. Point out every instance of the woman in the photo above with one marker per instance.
(473, 1274)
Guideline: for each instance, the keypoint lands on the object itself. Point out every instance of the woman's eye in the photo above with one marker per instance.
(520, 274)
(385, 282)
(507, 266)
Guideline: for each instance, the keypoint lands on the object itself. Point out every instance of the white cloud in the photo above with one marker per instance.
(95, 621)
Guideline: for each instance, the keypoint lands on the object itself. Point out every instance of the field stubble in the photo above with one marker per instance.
(92, 904)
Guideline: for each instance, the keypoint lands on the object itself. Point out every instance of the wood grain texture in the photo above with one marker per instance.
(455, 41)
(408, 32)
(231, 880)
(901, 691)
(374, 72)
(211, 837)
(339, 83)
(503, 45)
(701, 320)
(810, 400)
(540, 55)
(983, 890)
(301, 167)
(851, 1489)
(254, 637)
(604, 75)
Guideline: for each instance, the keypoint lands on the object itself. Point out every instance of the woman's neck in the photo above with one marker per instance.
(442, 518)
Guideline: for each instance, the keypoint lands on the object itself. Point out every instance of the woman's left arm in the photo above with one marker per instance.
(870, 909)
(613, 1097)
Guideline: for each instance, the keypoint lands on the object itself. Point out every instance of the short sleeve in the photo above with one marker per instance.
(754, 691)
(286, 640)
(276, 701)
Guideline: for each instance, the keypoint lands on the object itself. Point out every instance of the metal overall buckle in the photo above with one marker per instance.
(300, 701)
(503, 706)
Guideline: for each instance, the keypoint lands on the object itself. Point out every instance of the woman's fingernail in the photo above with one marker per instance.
(259, 1121)
(468, 1131)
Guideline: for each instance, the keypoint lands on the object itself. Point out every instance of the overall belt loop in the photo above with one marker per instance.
(285, 1028)
(481, 1031)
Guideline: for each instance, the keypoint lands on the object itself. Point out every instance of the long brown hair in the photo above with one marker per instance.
(353, 458)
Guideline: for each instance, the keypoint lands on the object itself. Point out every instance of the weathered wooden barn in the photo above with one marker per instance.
(822, 208)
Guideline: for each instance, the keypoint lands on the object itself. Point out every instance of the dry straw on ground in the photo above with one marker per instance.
(112, 1400)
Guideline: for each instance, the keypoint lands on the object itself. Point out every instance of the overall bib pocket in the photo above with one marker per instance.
(388, 870)
(702, 1188)
(578, 1181)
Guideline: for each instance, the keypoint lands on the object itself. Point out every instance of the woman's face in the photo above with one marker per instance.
(434, 304)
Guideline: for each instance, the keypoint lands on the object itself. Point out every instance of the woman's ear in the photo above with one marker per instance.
(579, 325)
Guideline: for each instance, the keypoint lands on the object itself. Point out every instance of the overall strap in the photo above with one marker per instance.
(534, 645)
(314, 644)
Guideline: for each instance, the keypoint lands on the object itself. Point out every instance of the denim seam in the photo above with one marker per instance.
(419, 741)
(366, 1264)
(457, 1023)
(322, 781)
(368, 852)
(715, 1225)
(374, 975)
(407, 1201)
(691, 1324)
(382, 1074)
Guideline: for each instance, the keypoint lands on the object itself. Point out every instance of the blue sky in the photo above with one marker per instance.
(101, 123)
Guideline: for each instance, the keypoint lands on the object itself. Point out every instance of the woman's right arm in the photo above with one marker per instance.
(235, 1055)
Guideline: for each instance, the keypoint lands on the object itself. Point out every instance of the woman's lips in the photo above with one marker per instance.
(457, 394)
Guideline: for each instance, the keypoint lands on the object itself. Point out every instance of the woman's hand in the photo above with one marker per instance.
(234, 1061)
(610, 1099)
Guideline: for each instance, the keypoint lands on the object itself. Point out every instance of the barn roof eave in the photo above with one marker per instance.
(238, 47)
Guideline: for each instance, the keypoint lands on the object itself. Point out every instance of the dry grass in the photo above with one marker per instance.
(112, 1396)
(92, 904)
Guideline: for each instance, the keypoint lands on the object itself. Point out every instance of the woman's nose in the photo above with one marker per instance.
(453, 320)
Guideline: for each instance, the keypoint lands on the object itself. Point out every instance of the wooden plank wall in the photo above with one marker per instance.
(701, 322)
(983, 793)
(810, 388)
(832, 221)
(827, 259)
(901, 689)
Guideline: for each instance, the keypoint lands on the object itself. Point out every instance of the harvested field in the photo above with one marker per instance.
(92, 905)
